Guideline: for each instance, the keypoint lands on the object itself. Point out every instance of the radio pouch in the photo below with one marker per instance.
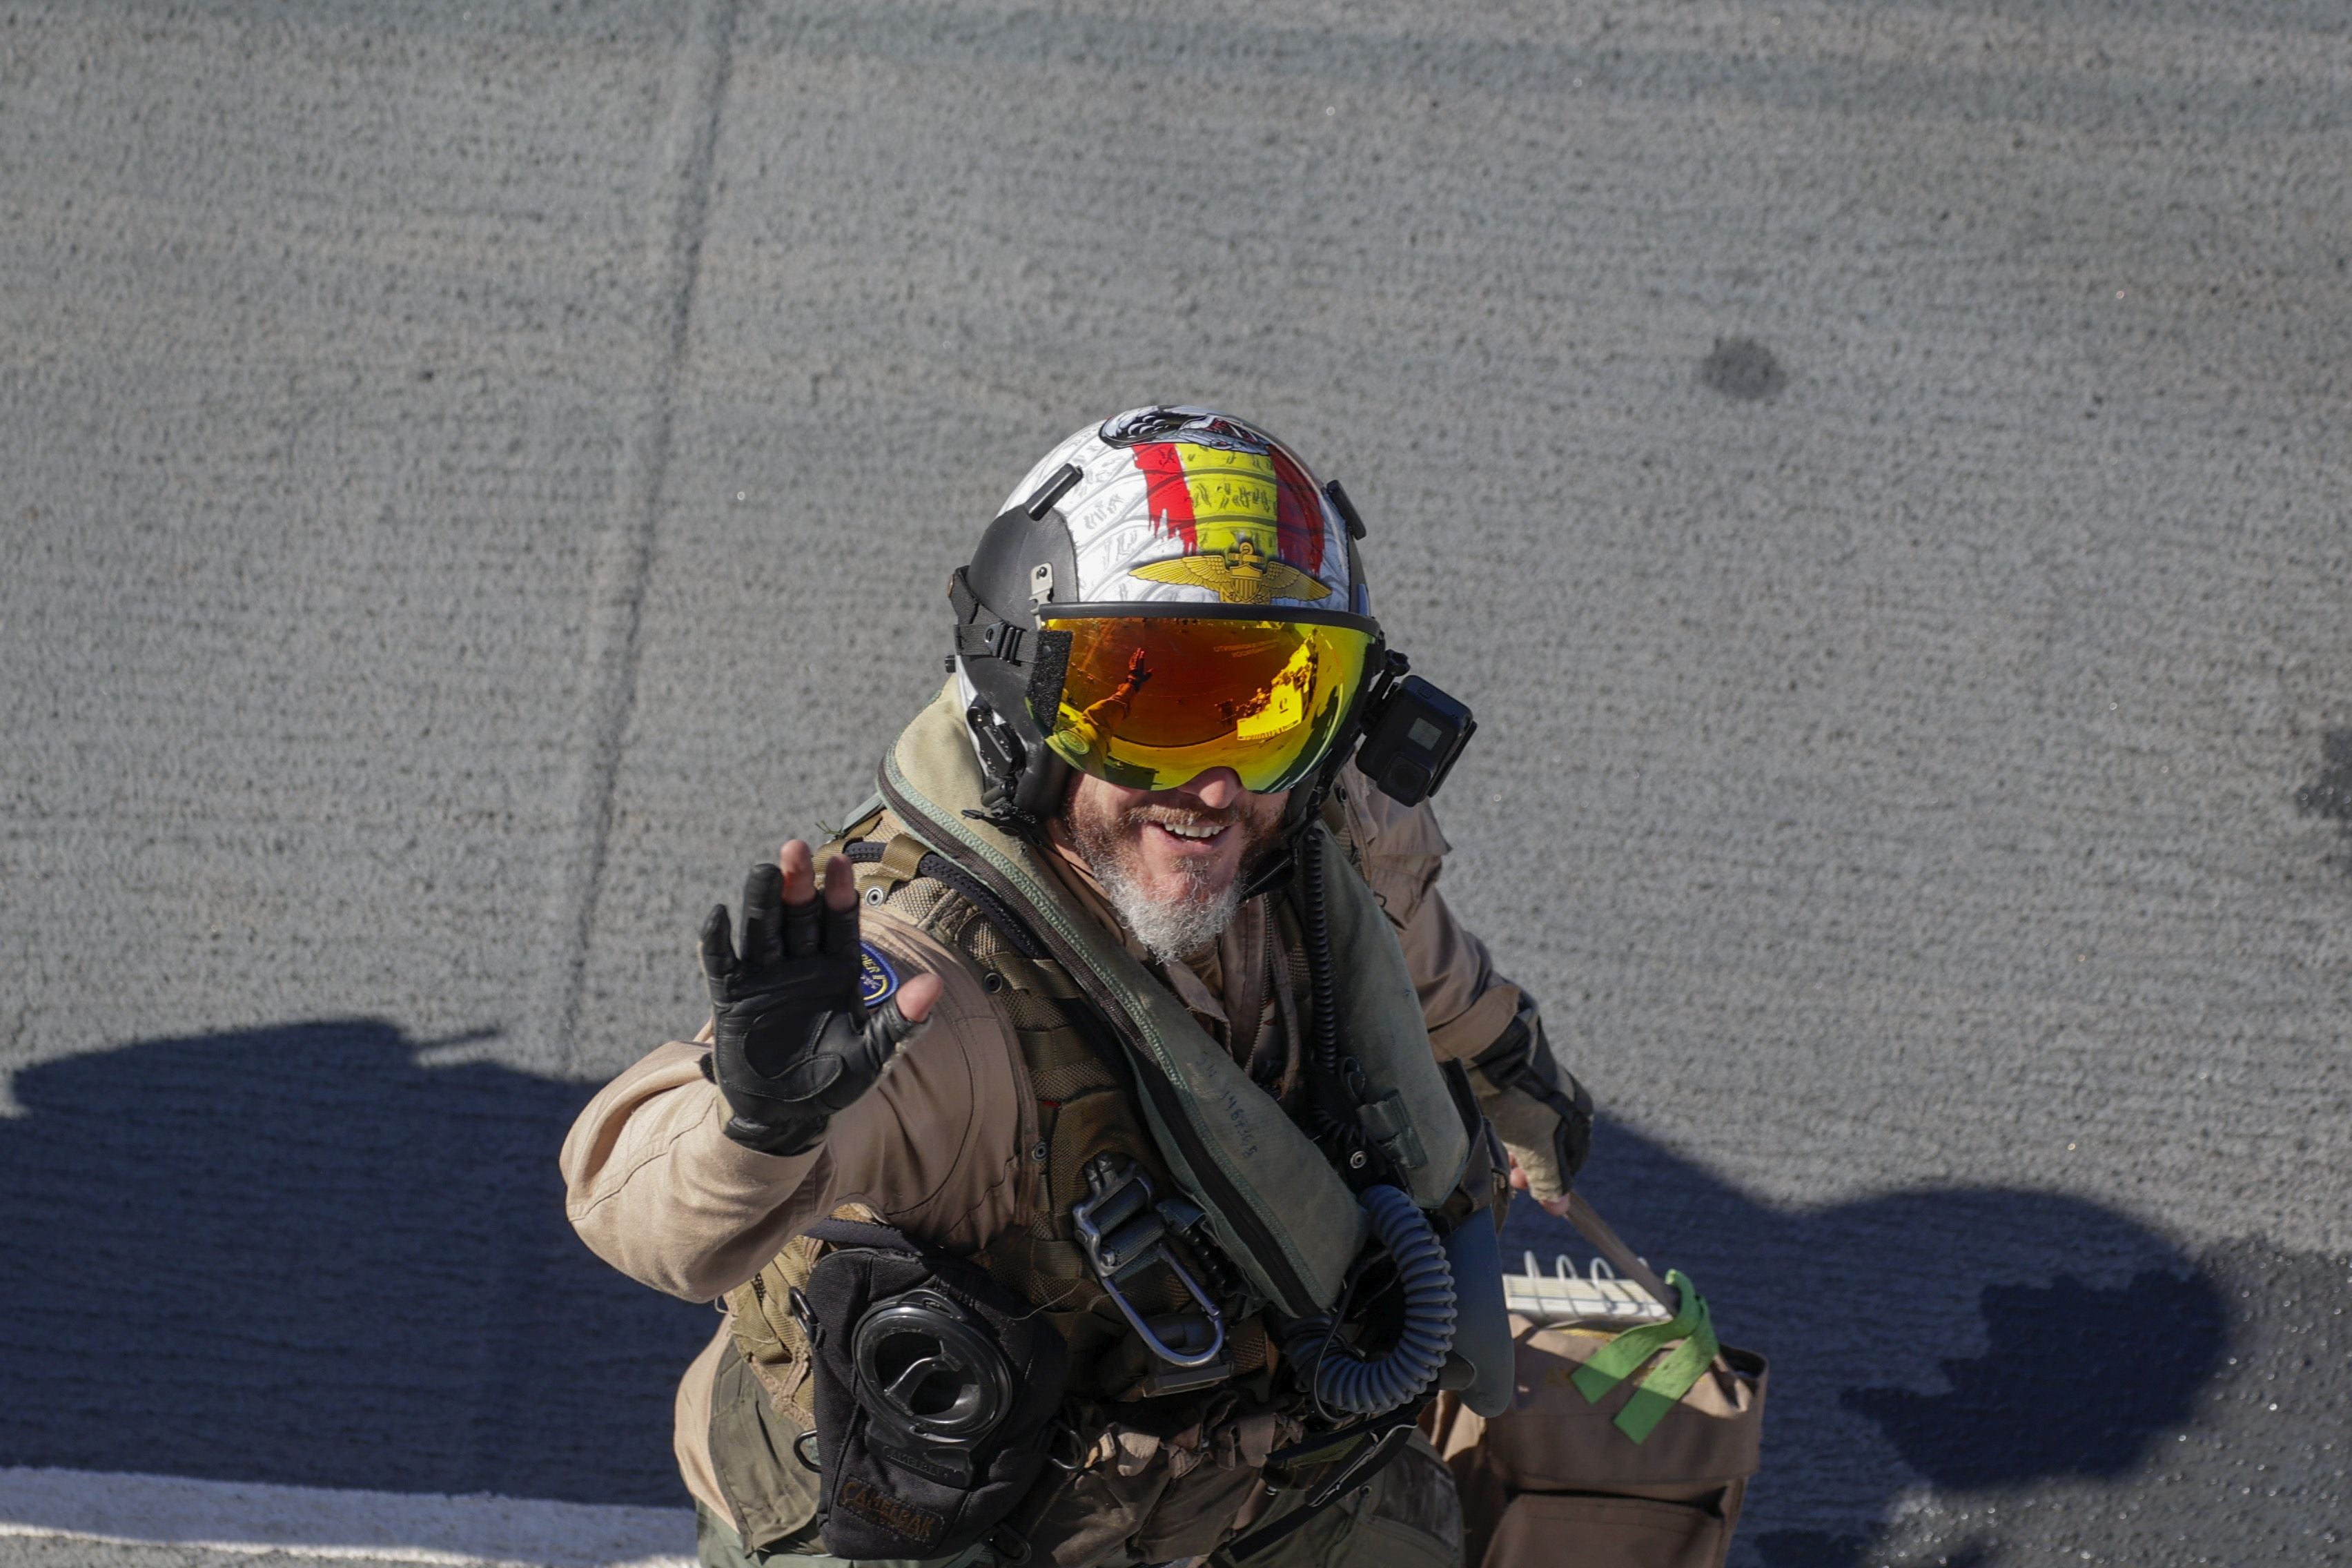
(936, 1390)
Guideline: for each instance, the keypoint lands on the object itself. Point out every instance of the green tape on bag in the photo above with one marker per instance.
(1674, 1377)
(1622, 1355)
(1665, 1387)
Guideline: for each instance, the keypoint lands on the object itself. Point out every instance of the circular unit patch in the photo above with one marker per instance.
(877, 981)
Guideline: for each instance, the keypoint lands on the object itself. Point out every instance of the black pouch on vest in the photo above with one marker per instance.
(936, 1389)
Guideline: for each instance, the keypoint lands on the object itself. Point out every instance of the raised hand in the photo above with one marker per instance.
(793, 1041)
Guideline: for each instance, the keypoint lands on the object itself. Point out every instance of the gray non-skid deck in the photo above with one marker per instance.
(472, 477)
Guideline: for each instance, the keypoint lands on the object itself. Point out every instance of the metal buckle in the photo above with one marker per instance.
(1123, 1235)
(1060, 1432)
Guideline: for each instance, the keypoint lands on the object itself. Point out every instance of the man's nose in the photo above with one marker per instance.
(1216, 789)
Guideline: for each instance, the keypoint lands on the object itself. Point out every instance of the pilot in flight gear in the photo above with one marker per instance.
(1095, 1146)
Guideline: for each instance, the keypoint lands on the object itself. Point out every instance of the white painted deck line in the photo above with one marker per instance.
(238, 1516)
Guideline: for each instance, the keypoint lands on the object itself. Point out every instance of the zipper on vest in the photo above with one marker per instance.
(1231, 1204)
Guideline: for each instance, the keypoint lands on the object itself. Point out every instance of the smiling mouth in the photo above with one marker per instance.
(1193, 835)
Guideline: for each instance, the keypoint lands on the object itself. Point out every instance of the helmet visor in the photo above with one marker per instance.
(1154, 701)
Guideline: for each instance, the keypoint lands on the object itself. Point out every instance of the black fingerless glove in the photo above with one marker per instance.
(793, 1042)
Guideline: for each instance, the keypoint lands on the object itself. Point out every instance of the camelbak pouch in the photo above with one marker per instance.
(936, 1390)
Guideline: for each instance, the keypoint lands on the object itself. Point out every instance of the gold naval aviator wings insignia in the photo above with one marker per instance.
(1239, 576)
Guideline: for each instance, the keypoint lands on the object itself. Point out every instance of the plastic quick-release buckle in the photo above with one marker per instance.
(1123, 1235)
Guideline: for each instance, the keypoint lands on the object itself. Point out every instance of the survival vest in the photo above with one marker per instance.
(1117, 1067)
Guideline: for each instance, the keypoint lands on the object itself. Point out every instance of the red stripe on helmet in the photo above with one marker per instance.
(1166, 495)
(1297, 514)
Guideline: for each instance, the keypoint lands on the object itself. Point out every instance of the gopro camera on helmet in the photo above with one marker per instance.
(1413, 738)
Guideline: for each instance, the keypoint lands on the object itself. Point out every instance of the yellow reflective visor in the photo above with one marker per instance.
(1154, 701)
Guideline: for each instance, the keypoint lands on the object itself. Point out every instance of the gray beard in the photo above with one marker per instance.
(1172, 932)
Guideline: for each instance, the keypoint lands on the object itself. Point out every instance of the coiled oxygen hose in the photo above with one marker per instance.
(1331, 1094)
(1323, 999)
(1342, 1138)
(1343, 1379)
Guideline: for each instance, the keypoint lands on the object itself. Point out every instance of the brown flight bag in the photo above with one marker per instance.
(1624, 1447)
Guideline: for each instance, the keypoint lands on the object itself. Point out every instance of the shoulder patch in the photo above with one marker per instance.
(877, 981)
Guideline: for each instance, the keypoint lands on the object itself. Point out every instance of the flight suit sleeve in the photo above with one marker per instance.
(1474, 1014)
(657, 1188)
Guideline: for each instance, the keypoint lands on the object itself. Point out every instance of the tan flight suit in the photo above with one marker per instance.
(938, 1147)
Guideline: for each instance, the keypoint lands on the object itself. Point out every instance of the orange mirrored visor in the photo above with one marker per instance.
(1154, 701)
